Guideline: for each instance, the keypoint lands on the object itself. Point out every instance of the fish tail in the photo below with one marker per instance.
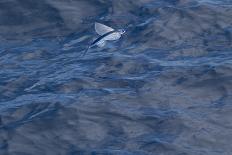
(87, 49)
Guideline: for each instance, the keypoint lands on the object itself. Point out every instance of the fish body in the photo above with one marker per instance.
(102, 38)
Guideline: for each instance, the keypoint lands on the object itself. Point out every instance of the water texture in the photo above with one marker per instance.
(165, 88)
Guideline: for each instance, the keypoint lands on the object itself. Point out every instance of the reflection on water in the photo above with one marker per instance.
(163, 88)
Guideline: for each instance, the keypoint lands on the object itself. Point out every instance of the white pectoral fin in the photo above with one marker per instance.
(113, 36)
(101, 43)
(102, 29)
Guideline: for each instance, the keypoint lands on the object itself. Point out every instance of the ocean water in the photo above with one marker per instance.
(164, 88)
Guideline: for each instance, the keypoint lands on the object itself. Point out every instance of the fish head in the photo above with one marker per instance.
(121, 31)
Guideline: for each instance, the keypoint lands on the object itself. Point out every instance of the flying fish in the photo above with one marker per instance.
(106, 34)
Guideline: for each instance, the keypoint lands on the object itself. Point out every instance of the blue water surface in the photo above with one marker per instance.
(164, 88)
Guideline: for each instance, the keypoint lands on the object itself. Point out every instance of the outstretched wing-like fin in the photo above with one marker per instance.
(113, 36)
(101, 43)
(102, 29)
